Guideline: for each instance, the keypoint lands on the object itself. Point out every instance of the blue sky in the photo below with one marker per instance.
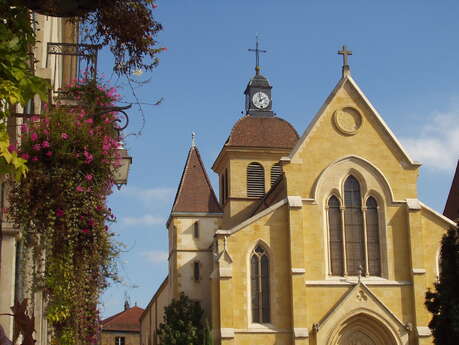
(405, 58)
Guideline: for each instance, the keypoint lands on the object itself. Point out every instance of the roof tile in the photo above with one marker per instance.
(127, 320)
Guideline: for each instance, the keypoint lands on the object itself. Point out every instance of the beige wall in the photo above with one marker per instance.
(131, 338)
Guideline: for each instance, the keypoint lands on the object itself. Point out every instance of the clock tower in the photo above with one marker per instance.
(258, 101)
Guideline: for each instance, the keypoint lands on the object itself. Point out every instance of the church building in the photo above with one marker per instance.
(318, 239)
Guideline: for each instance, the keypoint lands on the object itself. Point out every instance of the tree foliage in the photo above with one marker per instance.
(443, 303)
(182, 323)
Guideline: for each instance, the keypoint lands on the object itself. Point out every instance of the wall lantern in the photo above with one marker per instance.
(121, 173)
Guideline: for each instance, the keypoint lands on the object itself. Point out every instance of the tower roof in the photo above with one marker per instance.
(271, 132)
(195, 193)
(452, 204)
(127, 320)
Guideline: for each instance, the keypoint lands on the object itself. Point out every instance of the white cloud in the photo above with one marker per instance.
(155, 256)
(146, 219)
(436, 145)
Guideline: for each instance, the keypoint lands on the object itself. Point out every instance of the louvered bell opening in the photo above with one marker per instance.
(276, 172)
(255, 180)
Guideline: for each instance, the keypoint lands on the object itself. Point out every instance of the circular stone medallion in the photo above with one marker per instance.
(347, 120)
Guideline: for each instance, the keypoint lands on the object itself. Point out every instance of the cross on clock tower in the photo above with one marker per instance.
(258, 100)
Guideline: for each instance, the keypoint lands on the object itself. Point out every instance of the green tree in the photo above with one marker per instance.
(444, 302)
(182, 323)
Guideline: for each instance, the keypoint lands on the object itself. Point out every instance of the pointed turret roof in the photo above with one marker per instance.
(452, 204)
(195, 193)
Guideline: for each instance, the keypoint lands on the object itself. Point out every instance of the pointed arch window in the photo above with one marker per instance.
(373, 246)
(259, 279)
(276, 172)
(255, 180)
(354, 241)
(353, 224)
(336, 237)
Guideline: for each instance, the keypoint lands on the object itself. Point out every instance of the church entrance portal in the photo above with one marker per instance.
(362, 329)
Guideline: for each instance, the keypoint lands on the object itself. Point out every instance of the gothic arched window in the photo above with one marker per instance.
(276, 172)
(336, 237)
(373, 249)
(255, 180)
(353, 225)
(354, 241)
(259, 281)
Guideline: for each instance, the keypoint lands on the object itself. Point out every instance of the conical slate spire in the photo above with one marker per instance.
(195, 193)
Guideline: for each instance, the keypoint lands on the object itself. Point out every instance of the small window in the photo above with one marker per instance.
(276, 172)
(196, 271)
(255, 180)
(196, 229)
(226, 184)
(119, 341)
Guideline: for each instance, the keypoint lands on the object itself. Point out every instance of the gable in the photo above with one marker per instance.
(348, 125)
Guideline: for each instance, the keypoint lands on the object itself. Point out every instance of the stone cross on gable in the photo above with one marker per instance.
(257, 55)
(345, 53)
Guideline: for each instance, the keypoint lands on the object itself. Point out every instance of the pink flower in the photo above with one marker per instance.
(36, 147)
(25, 156)
(12, 148)
(89, 157)
(88, 177)
(45, 144)
(45, 132)
(49, 153)
(64, 136)
(34, 136)
(86, 231)
(34, 159)
(79, 189)
(24, 128)
(89, 120)
(59, 212)
(35, 118)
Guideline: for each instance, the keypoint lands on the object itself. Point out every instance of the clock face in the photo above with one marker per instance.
(260, 100)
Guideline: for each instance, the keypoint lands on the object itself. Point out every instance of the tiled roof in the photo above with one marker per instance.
(263, 132)
(452, 204)
(127, 320)
(195, 193)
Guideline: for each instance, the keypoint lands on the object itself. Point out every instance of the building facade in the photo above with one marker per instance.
(319, 239)
(122, 328)
(15, 264)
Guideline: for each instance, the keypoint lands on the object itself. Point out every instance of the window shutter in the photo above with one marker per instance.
(276, 172)
(255, 180)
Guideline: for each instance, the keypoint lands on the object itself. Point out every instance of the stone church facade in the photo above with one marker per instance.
(319, 239)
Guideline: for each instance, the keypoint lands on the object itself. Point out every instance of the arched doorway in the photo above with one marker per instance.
(362, 329)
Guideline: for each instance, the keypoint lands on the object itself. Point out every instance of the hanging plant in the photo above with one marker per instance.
(61, 208)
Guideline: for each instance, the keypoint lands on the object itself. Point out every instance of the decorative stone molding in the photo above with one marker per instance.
(419, 271)
(347, 120)
(413, 204)
(423, 331)
(301, 332)
(295, 201)
(379, 282)
(227, 333)
(298, 270)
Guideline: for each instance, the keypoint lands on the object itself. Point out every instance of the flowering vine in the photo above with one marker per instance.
(61, 207)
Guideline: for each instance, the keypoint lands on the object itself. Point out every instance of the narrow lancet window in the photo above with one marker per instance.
(353, 219)
(336, 237)
(260, 291)
(373, 246)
